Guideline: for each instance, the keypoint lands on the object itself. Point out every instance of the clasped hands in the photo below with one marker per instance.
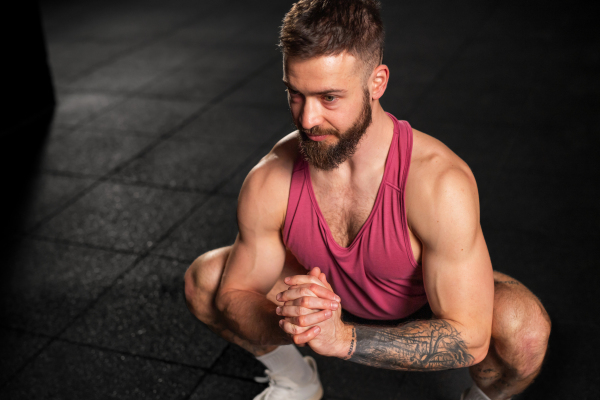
(312, 314)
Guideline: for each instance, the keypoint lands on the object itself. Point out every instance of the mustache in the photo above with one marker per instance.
(318, 131)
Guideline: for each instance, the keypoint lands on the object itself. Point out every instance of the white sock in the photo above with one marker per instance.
(476, 394)
(288, 361)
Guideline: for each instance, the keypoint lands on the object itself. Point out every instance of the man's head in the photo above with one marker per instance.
(332, 51)
(315, 28)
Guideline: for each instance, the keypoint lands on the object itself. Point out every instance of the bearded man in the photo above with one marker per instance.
(384, 218)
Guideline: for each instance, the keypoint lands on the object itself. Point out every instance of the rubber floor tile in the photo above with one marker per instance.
(117, 81)
(70, 59)
(16, 347)
(434, 385)
(571, 364)
(237, 362)
(542, 203)
(91, 152)
(554, 269)
(212, 226)
(145, 314)
(220, 387)
(149, 116)
(264, 89)
(119, 216)
(48, 194)
(238, 124)
(348, 380)
(68, 371)
(202, 84)
(187, 164)
(46, 285)
(75, 108)
(233, 186)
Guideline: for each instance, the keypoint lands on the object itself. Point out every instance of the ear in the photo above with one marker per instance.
(379, 80)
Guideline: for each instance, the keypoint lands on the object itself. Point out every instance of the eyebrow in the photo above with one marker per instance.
(321, 92)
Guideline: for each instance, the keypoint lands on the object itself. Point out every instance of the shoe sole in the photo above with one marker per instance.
(318, 395)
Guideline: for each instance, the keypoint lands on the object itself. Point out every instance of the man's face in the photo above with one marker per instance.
(330, 105)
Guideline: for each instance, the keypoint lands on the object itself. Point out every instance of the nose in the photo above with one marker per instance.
(311, 116)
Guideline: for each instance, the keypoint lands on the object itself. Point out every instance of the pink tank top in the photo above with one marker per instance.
(377, 276)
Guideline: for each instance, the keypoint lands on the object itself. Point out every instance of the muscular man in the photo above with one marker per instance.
(384, 218)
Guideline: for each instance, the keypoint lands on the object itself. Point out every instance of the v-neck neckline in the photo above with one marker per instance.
(376, 204)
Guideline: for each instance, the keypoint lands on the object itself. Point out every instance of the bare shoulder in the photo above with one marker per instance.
(264, 194)
(433, 163)
(438, 182)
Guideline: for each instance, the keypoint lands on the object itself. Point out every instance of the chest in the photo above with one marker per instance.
(345, 209)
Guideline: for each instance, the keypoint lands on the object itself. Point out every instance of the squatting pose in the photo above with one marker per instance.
(357, 210)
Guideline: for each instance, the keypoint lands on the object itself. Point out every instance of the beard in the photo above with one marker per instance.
(327, 157)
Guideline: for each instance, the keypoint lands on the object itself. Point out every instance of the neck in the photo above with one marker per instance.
(372, 150)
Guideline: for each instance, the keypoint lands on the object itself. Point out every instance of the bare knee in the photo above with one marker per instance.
(202, 281)
(521, 328)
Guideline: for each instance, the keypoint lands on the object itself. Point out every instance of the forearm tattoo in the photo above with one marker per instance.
(417, 346)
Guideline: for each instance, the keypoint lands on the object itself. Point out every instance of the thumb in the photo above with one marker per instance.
(316, 271)
(323, 278)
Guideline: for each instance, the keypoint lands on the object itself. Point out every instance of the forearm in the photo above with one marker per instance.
(417, 346)
(252, 317)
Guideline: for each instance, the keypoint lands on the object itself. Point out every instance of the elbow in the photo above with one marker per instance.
(480, 351)
(221, 301)
(479, 345)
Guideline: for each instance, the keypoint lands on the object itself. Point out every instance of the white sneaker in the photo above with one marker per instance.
(282, 388)
(474, 393)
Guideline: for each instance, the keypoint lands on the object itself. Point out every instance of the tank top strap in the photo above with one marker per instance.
(405, 141)
(296, 188)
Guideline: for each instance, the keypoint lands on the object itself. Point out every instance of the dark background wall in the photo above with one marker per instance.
(163, 107)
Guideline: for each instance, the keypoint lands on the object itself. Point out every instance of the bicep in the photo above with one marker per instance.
(254, 264)
(258, 254)
(457, 270)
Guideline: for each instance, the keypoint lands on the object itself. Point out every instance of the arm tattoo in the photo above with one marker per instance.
(418, 346)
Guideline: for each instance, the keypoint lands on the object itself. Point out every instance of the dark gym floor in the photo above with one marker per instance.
(162, 109)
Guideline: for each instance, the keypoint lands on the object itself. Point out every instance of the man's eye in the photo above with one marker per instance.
(292, 92)
(329, 99)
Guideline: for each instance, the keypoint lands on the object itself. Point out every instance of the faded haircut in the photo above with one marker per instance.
(314, 28)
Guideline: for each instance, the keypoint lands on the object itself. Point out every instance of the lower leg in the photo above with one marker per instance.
(201, 284)
(497, 379)
(520, 332)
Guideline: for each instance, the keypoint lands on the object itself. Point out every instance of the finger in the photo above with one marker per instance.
(290, 328)
(323, 293)
(314, 303)
(295, 293)
(322, 278)
(316, 271)
(294, 311)
(310, 319)
(306, 336)
(302, 280)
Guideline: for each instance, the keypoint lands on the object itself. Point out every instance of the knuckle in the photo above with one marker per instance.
(303, 311)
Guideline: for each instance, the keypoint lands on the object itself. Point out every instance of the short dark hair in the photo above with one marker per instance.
(329, 27)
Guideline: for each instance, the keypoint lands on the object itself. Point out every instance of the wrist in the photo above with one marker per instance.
(347, 342)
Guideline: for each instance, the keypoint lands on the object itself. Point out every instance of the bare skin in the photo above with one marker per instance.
(240, 292)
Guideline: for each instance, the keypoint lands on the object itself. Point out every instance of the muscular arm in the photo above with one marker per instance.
(458, 280)
(258, 254)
